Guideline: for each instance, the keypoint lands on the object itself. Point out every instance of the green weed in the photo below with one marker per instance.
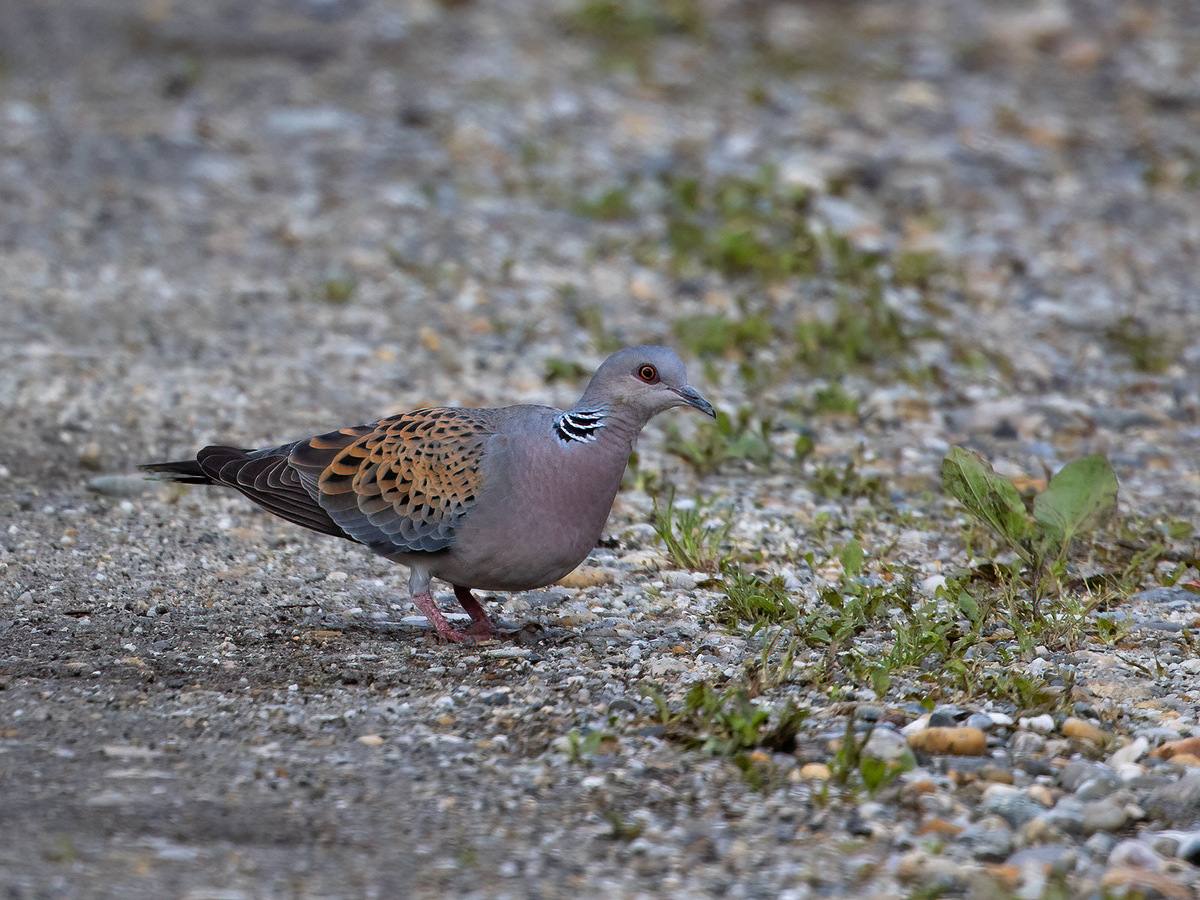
(754, 598)
(1081, 496)
(727, 723)
(692, 541)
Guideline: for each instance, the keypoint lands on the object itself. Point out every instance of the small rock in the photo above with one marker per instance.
(1130, 753)
(1043, 724)
(1134, 854)
(1084, 731)
(1175, 804)
(1119, 882)
(1011, 804)
(1103, 815)
(1026, 743)
(982, 721)
(1189, 849)
(959, 741)
(1171, 749)
(1100, 845)
(944, 717)
(120, 486)
(588, 576)
(1066, 816)
(1038, 831)
(89, 455)
(990, 839)
(889, 746)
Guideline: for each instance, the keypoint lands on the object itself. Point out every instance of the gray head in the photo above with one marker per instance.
(645, 380)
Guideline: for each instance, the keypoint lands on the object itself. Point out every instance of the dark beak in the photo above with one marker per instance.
(692, 397)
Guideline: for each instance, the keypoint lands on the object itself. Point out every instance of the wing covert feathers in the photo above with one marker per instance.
(402, 482)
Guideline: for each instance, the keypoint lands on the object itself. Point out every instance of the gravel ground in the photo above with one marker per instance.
(253, 222)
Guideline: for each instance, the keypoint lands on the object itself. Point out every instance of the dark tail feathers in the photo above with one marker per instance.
(186, 471)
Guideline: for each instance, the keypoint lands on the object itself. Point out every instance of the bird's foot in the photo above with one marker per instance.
(481, 625)
(445, 632)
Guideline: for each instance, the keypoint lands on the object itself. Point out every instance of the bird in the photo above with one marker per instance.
(506, 499)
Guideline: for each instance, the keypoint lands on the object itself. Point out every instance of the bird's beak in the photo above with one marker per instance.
(691, 397)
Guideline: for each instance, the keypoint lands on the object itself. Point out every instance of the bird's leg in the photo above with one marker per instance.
(481, 625)
(425, 603)
(422, 595)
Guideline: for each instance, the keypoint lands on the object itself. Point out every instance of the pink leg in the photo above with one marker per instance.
(481, 625)
(427, 606)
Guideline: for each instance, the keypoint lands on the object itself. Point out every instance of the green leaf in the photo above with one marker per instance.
(1081, 495)
(989, 497)
(852, 558)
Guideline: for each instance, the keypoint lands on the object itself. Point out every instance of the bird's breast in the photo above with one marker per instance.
(540, 511)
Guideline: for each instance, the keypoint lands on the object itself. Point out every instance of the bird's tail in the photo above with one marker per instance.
(185, 471)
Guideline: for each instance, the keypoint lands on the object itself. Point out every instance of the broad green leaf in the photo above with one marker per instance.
(990, 498)
(1081, 495)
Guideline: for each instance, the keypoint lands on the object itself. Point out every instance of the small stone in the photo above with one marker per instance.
(370, 740)
(1011, 804)
(1100, 845)
(814, 770)
(1103, 815)
(1043, 724)
(1043, 795)
(1175, 804)
(958, 741)
(89, 455)
(1075, 773)
(1189, 849)
(944, 717)
(982, 721)
(1141, 883)
(990, 839)
(1027, 743)
(1130, 753)
(1171, 749)
(889, 746)
(1099, 787)
(121, 486)
(1134, 854)
(1084, 731)
(1038, 831)
(996, 773)
(679, 579)
(1066, 816)
(588, 576)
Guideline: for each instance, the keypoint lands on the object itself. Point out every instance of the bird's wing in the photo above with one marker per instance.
(266, 477)
(402, 483)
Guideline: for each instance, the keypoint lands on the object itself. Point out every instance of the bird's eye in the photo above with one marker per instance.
(648, 374)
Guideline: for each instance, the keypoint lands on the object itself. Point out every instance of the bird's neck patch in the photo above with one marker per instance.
(579, 426)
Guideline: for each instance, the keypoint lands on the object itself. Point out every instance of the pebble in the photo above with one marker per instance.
(958, 741)
(1103, 815)
(1042, 724)
(1010, 803)
(1084, 731)
(990, 839)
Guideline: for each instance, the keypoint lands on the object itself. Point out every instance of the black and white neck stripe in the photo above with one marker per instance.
(580, 426)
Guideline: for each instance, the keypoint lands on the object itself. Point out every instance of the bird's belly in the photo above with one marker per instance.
(543, 526)
(532, 557)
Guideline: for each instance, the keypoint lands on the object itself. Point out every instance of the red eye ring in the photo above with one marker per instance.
(648, 374)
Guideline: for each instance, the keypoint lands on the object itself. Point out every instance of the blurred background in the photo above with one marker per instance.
(246, 220)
